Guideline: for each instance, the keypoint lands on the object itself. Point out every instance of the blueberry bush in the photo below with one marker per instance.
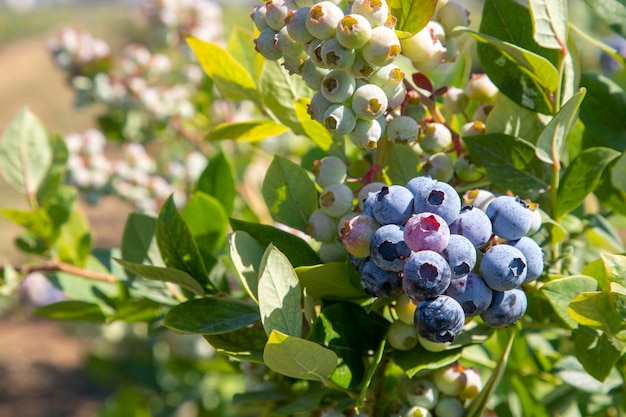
(363, 207)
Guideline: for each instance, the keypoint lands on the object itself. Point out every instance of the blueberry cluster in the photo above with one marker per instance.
(347, 55)
(448, 262)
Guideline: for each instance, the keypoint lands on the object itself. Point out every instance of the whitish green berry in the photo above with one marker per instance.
(296, 25)
(402, 336)
(338, 86)
(318, 107)
(388, 78)
(402, 129)
(336, 56)
(450, 380)
(422, 46)
(366, 133)
(323, 19)
(265, 44)
(277, 11)
(258, 16)
(455, 100)
(332, 251)
(353, 31)
(482, 112)
(473, 384)
(436, 138)
(336, 200)
(287, 45)
(439, 166)
(315, 52)
(329, 170)
(422, 392)
(311, 74)
(360, 68)
(369, 102)
(321, 226)
(467, 171)
(452, 15)
(472, 129)
(397, 97)
(375, 11)
(449, 407)
(339, 119)
(383, 47)
(481, 89)
(405, 309)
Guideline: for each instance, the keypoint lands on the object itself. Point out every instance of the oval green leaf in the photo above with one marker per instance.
(248, 131)
(156, 273)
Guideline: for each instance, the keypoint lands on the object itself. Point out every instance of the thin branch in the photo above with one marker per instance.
(59, 266)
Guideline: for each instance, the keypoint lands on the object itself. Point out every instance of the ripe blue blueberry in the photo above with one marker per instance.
(503, 267)
(510, 217)
(472, 293)
(426, 231)
(460, 255)
(506, 308)
(379, 282)
(388, 249)
(533, 254)
(474, 224)
(440, 198)
(393, 204)
(426, 275)
(419, 186)
(265, 44)
(372, 187)
(440, 319)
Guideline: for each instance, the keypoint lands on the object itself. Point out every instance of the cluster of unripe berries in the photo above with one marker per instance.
(346, 55)
(78, 51)
(134, 177)
(452, 261)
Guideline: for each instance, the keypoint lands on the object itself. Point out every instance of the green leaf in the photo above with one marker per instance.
(74, 243)
(138, 310)
(331, 281)
(597, 352)
(241, 47)
(612, 12)
(419, 359)
(219, 180)
(246, 255)
(571, 371)
(279, 294)
(512, 119)
(412, 15)
(211, 315)
(245, 344)
(156, 273)
(605, 311)
(618, 173)
(54, 177)
(247, 131)
(581, 178)
(297, 250)
(550, 19)
(230, 77)
(313, 129)
(207, 221)
(289, 193)
(511, 163)
(279, 91)
(539, 71)
(71, 310)
(177, 245)
(561, 292)
(602, 112)
(401, 162)
(478, 404)
(37, 222)
(298, 358)
(138, 241)
(554, 135)
(608, 269)
(25, 153)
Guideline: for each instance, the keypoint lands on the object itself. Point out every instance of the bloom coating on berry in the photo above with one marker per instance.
(379, 282)
(388, 249)
(439, 198)
(357, 234)
(510, 217)
(383, 47)
(534, 257)
(503, 267)
(336, 200)
(506, 308)
(474, 224)
(440, 319)
(471, 293)
(323, 19)
(425, 275)
(393, 204)
(353, 31)
(460, 255)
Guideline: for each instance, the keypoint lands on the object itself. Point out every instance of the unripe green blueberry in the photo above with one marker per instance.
(466, 170)
(338, 86)
(287, 45)
(277, 11)
(432, 63)
(336, 56)
(336, 200)
(417, 411)
(332, 251)
(339, 119)
(450, 380)
(296, 25)
(478, 198)
(397, 97)
(311, 74)
(372, 187)
(439, 166)
(472, 129)
(360, 68)
(353, 31)
(455, 100)
(375, 11)
(321, 226)
(536, 221)
(422, 46)
(265, 44)
(432, 346)
(383, 47)
(405, 309)
(315, 52)
(452, 15)
(357, 233)
(436, 137)
(388, 78)
(473, 384)
(369, 102)
(402, 129)
(402, 336)
(303, 3)
(449, 407)
(341, 224)
(329, 170)
(258, 16)
(481, 89)
(422, 392)
(292, 64)
(437, 30)
(318, 106)
(366, 134)
(482, 112)
(415, 109)
(323, 19)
